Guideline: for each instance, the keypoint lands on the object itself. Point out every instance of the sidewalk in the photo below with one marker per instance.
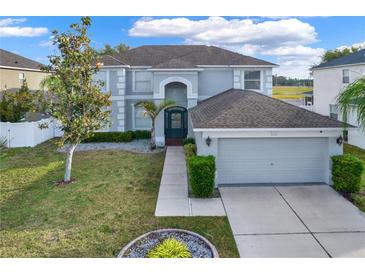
(173, 195)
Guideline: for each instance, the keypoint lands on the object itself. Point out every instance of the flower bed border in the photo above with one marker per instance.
(130, 244)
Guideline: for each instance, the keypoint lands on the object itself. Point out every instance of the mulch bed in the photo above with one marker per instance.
(65, 183)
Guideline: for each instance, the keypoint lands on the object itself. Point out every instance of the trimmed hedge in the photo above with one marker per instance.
(117, 136)
(201, 175)
(141, 134)
(188, 141)
(190, 150)
(346, 173)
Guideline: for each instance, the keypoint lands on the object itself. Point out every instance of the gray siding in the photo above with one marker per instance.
(212, 82)
(204, 84)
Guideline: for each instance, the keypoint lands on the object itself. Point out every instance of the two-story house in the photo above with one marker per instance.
(223, 99)
(16, 69)
(329, 79)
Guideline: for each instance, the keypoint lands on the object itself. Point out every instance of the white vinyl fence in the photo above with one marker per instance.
(28, 134)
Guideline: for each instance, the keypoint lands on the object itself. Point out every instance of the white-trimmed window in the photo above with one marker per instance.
(334, 112)
(21, 78)
(252, 79)
(141, 119)
(345, 76)
(142, 81)
(101, 75)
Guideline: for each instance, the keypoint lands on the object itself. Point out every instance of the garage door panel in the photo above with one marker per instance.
(274, 164)
(275, 160)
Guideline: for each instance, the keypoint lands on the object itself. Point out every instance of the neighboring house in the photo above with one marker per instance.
(16, 69)
(329, 80)
(224, 101)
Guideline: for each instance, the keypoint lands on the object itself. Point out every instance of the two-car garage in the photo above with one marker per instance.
(257, 139)
(272, 160)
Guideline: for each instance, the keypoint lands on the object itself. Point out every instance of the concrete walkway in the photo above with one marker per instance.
(173, 195)
(294, 221)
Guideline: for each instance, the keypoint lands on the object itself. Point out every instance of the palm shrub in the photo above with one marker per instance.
(352, 99)
(152, 110)
(202, 175)
(346, 173)
(170, 248)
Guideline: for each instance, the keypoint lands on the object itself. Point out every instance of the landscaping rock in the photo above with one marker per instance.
(138, 146)
(197, 245)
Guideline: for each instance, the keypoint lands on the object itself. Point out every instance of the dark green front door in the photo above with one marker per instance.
(176, 122)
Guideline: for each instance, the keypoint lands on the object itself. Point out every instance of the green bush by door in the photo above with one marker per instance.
(201, 175)
(346, 173)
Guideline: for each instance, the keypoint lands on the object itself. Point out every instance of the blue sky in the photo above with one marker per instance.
(295, 43)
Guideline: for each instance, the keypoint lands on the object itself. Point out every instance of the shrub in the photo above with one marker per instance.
(346, 173)
(14, 105)
(188, 141)
(141, 134)
(170, 248)
(201, 175)
(190, 150)
(113, 137)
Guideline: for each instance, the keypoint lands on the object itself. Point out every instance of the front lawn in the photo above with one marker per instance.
(112, 202)
(358, 198)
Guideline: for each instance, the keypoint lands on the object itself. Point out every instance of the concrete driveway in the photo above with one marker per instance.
(294, 221)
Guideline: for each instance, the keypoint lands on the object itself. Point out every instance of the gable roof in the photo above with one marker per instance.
(236, 108)
(351, 59)
(12, 60)
(186, 56)
(109, 60)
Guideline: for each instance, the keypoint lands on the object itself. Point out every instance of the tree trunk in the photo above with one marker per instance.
(153, 137)
(70, 153)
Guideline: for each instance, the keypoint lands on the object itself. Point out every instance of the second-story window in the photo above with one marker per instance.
(345, 76)
(252, 79)
(334, 112)
(21, 78)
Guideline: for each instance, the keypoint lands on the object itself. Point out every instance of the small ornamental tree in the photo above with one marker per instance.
(73, 98)
(152, 110)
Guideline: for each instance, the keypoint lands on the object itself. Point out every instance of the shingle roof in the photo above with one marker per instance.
(109, 60)
(186, 56)
(351, 59)
(9, 59)
(237, 108)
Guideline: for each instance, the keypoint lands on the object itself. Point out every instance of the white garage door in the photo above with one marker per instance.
(272, 160)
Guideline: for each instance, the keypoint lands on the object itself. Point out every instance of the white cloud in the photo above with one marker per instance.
(286, 39)
(234, 31)
(356, 45)
(11, 21)
(7, 30)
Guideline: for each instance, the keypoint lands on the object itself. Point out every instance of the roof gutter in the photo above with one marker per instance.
(238, 66)
(338, 66)
(19, 68)
(267, 129)
(175, 69)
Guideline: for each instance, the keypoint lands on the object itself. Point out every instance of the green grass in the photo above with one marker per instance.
(358, 198)
(289, 92)
(111, 203)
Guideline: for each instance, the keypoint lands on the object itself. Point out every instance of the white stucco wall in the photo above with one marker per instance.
(327, 84)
